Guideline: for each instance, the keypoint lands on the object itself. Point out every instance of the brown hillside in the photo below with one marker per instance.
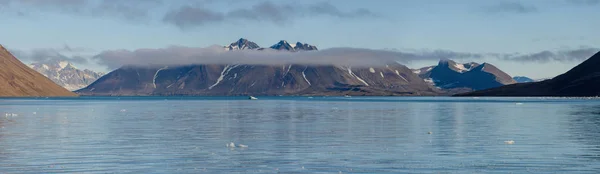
(18, 80)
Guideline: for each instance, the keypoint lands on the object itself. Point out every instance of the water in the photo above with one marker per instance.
(299, 135)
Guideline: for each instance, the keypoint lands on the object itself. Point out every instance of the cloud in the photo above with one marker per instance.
(131, 10)
(67, 48)
(192, 13)
(65, 53)
(178, 55)
(325, 8)
(192, 16)
(511, 7)
(584, 2)
(574, 55)
(48, 55)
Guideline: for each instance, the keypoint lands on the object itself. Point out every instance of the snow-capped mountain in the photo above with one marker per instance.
(242, 44)
(298, 46)
(65, 74)
(305, 46)
(291, 79)
(283, 45)
(450, 75)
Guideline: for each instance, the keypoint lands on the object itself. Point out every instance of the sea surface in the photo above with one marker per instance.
(299, 135)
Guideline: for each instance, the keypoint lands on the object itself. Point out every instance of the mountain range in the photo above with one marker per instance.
(18, 80)
(65, 74)
(238, 79)
(468, 76)
(582, 80)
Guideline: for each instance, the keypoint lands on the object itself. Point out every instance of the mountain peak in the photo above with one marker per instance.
(304, 46)
(283, 45)
(65, 74)
(242, 44)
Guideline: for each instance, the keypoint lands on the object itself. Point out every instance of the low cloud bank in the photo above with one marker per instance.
(177, 55)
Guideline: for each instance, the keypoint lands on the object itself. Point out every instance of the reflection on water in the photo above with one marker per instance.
(584, 128)
(299, 135)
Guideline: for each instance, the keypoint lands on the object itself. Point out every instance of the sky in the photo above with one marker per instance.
(534, 38)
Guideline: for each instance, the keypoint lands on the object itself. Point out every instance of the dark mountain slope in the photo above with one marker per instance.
(18, 80)
(582, 80)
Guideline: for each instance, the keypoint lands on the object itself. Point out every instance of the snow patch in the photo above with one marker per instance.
(381, 73)
(45, 67)
(288, 70)
(371, 70)
(428, 80)
(156, 75)
(355, 76)
(223, 74)
(417, 71)
(305, 79)
(398, 73)
(403, 78)
(63, 64)
(460, 67)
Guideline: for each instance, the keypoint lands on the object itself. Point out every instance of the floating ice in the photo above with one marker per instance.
(509, 142)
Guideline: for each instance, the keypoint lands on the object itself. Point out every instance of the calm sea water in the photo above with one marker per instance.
(300, 135)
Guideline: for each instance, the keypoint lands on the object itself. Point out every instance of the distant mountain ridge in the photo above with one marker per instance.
(236, 79)
(583, 80)
(523, 79)
(244, 44)
(65, 74)
(451, 75)
(18, 80)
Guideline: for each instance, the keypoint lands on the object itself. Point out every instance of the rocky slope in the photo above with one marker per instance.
(65, 74)
(582, 80)
(18, 80)
(391, 79)
(451, 75)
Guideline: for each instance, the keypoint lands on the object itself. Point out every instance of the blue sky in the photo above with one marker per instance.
(467, 26)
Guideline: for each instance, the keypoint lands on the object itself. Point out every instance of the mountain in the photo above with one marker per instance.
(65, 74)
(226, 80)
(242, 44)
(283, 45)
(451, 75)
(18, 80)
(523, 79)
(298, 46)
(305, 47)
(582, 80)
